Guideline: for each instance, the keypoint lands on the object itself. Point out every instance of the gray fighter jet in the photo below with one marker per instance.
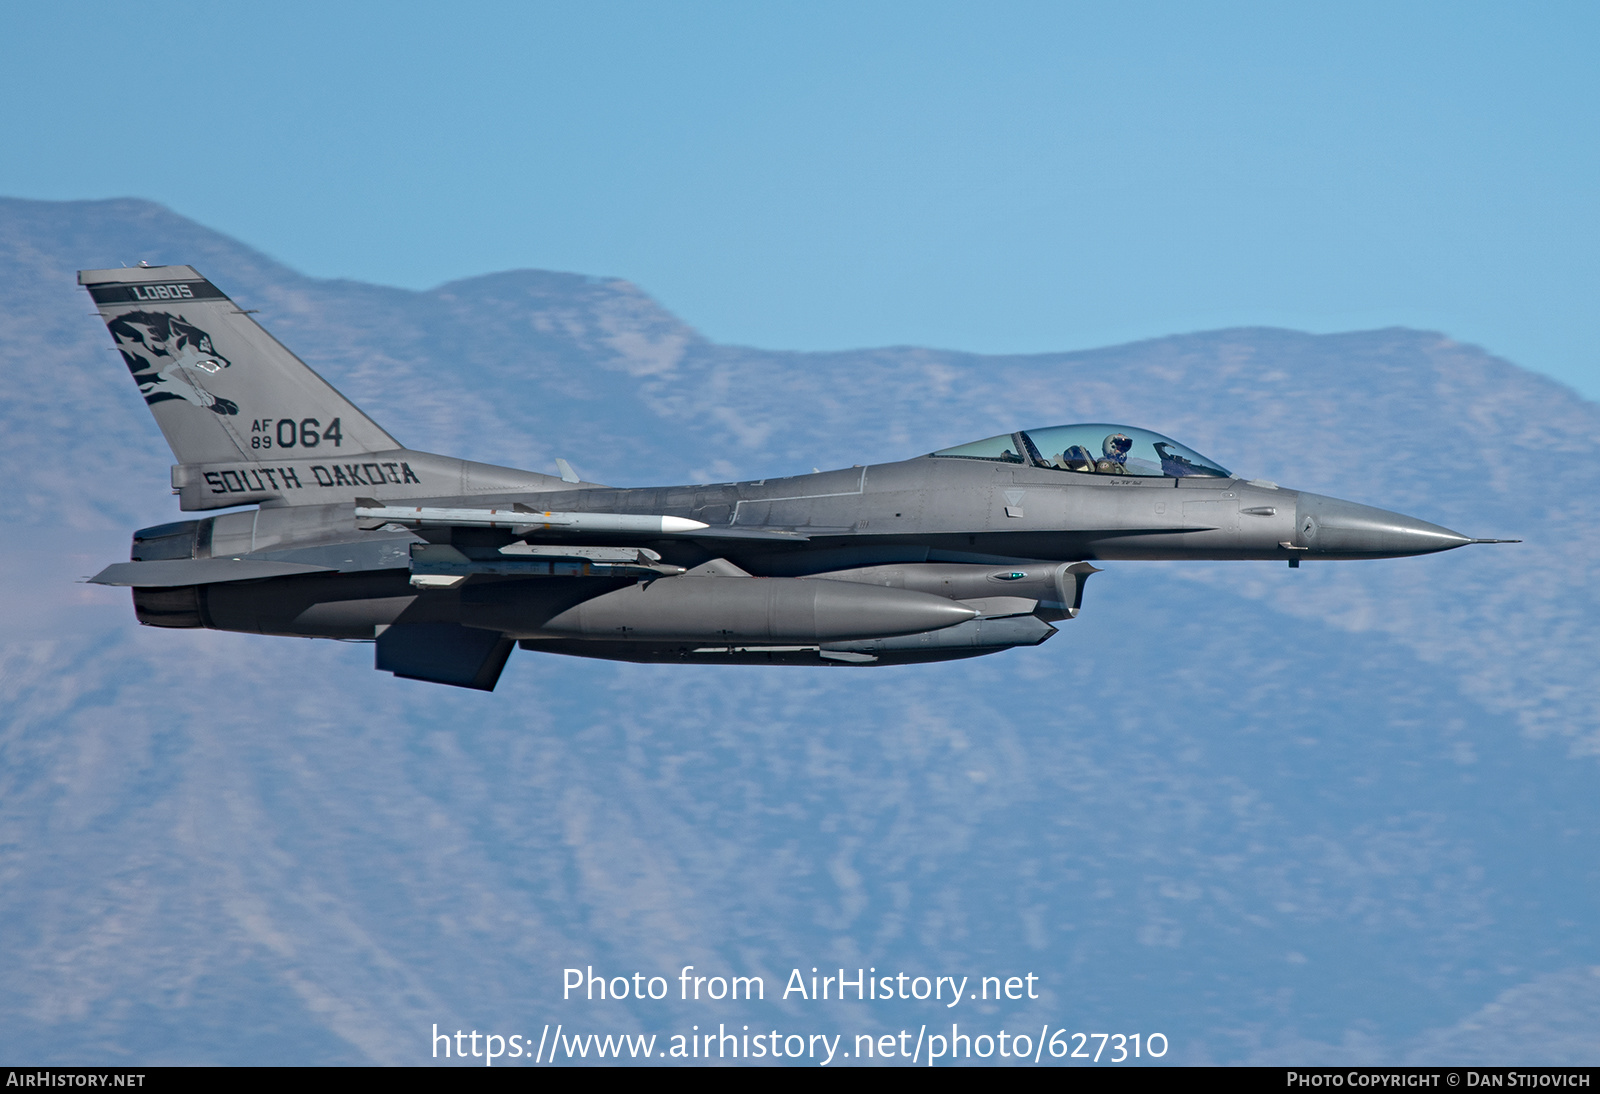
(446, 564)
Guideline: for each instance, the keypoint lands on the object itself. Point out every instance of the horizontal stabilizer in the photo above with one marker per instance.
(169, 573)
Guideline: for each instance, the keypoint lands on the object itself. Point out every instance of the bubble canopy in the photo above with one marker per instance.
(1095, 448)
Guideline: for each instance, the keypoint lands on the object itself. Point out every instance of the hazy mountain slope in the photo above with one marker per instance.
(1334, 812)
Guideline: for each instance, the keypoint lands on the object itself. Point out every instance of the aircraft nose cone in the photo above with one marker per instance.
(1343, 529)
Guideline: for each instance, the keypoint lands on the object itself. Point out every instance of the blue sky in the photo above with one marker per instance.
(1003, 177)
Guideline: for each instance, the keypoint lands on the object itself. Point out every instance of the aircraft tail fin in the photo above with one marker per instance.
(221, 388)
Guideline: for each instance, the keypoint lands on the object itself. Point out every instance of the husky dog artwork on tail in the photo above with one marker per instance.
(182, 352)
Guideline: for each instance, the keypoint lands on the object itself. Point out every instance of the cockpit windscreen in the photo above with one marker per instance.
(1095, 449)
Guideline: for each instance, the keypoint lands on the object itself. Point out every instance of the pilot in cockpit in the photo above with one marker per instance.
(1114, 458)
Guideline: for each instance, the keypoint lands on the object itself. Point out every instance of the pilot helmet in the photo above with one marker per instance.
(1117, 446)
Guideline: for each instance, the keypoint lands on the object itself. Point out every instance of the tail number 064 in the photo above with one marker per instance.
(288, 433)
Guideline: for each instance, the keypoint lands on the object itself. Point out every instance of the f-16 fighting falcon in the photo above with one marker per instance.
(446, 564)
